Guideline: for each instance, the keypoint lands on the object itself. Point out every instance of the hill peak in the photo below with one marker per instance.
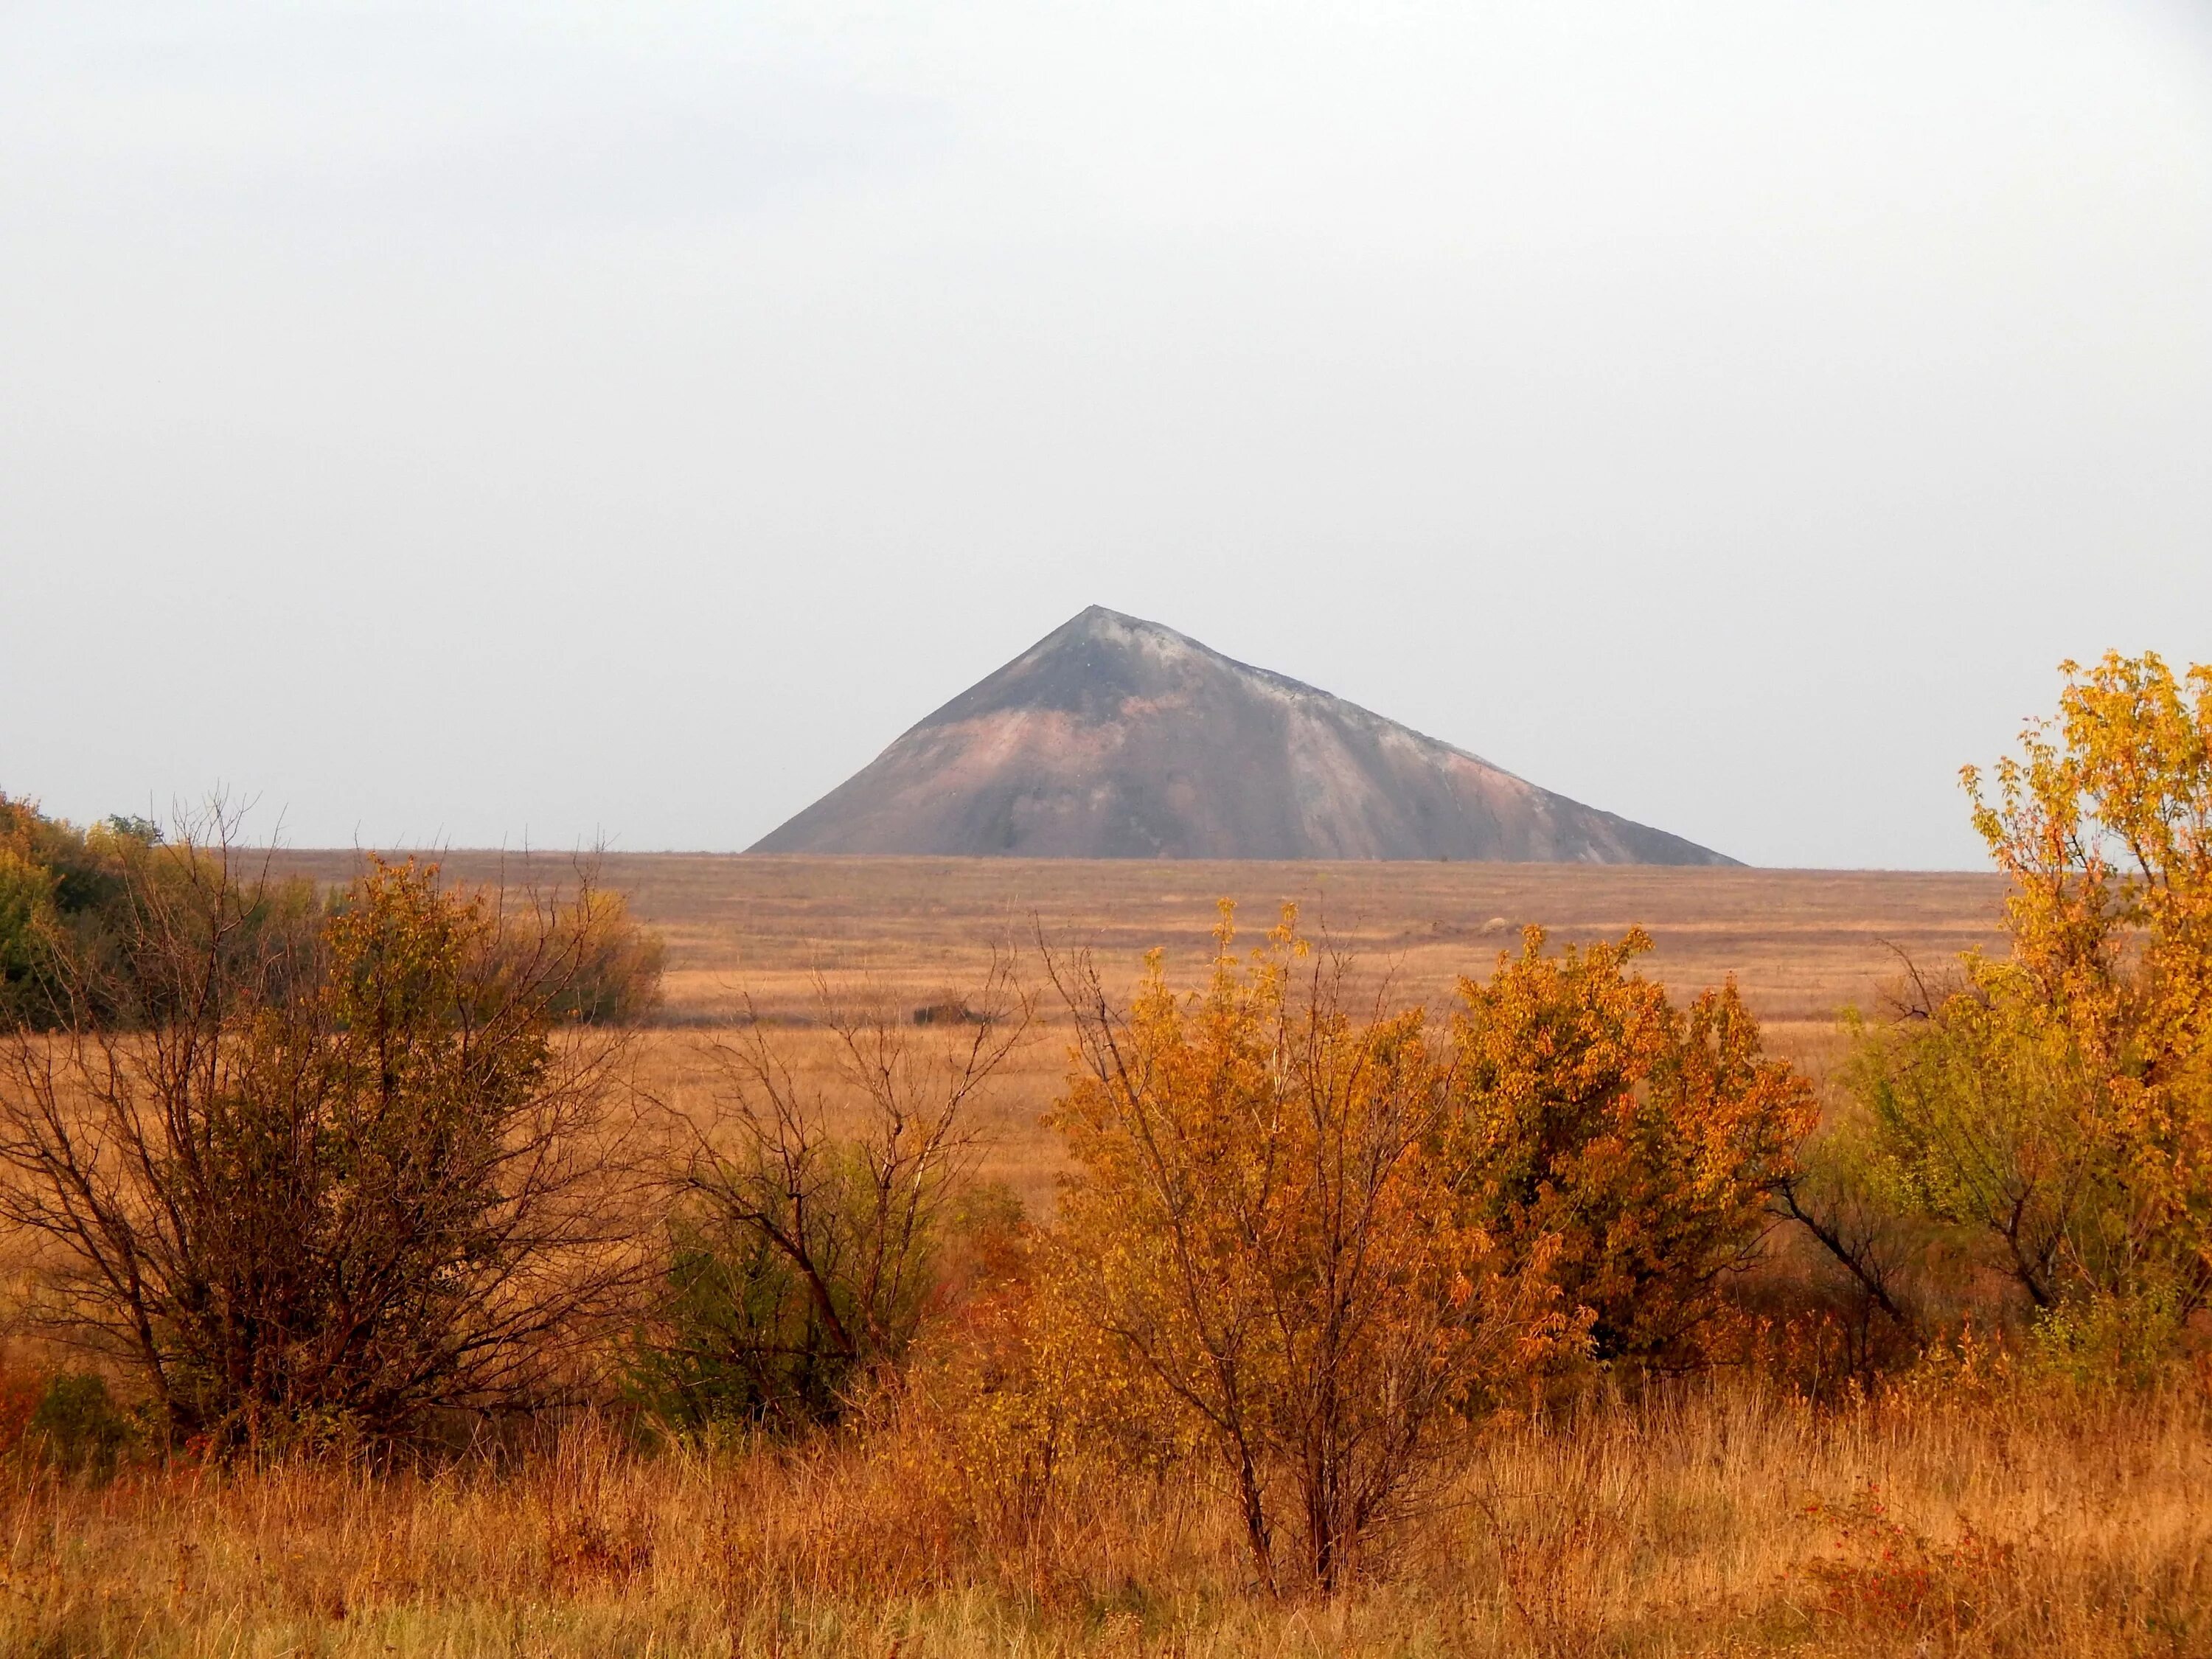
(1117, 737)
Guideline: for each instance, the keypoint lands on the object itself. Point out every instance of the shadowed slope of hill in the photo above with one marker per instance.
(1115, 738)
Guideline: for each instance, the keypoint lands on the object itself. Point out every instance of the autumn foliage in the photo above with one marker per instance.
(1632, 1144)
(1561, 1317)
(1325, 1240)
(1264, 1232)
(2054, 1104)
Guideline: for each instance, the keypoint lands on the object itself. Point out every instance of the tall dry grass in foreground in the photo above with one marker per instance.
(1941, 1520)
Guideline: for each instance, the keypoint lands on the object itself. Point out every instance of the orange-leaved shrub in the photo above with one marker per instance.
(1632, 1144)
(1269, 1250)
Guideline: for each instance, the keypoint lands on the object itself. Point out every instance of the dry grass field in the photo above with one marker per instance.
(1732, 1521)
(1802, 944)
(1954, 1514)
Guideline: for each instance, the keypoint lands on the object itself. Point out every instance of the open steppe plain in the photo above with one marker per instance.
(756, 930)
(1800, 942)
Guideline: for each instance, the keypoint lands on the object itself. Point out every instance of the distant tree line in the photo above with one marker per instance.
(76, 904)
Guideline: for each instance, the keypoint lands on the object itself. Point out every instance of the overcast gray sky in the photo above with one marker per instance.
(476, 423)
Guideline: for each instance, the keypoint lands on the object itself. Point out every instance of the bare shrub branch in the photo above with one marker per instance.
(811, 1202)
(323, 1174)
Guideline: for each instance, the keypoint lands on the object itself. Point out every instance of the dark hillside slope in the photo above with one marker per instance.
(1115, 738)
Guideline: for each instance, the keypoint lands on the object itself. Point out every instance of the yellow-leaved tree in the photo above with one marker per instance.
(1268, 1248)
(2059, 1100)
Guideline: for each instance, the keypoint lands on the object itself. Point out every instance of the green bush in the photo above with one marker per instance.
(78, 1425)
(26, 911)
(738, 1341)
(2101, 1340)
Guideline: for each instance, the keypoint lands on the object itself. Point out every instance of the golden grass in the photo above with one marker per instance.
(1719, 1523)
(1802, 944)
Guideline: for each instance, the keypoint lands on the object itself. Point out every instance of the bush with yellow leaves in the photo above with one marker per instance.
(1268, 1251)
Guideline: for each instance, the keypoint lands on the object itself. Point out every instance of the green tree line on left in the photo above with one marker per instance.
(65, 893)
(74, 897)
